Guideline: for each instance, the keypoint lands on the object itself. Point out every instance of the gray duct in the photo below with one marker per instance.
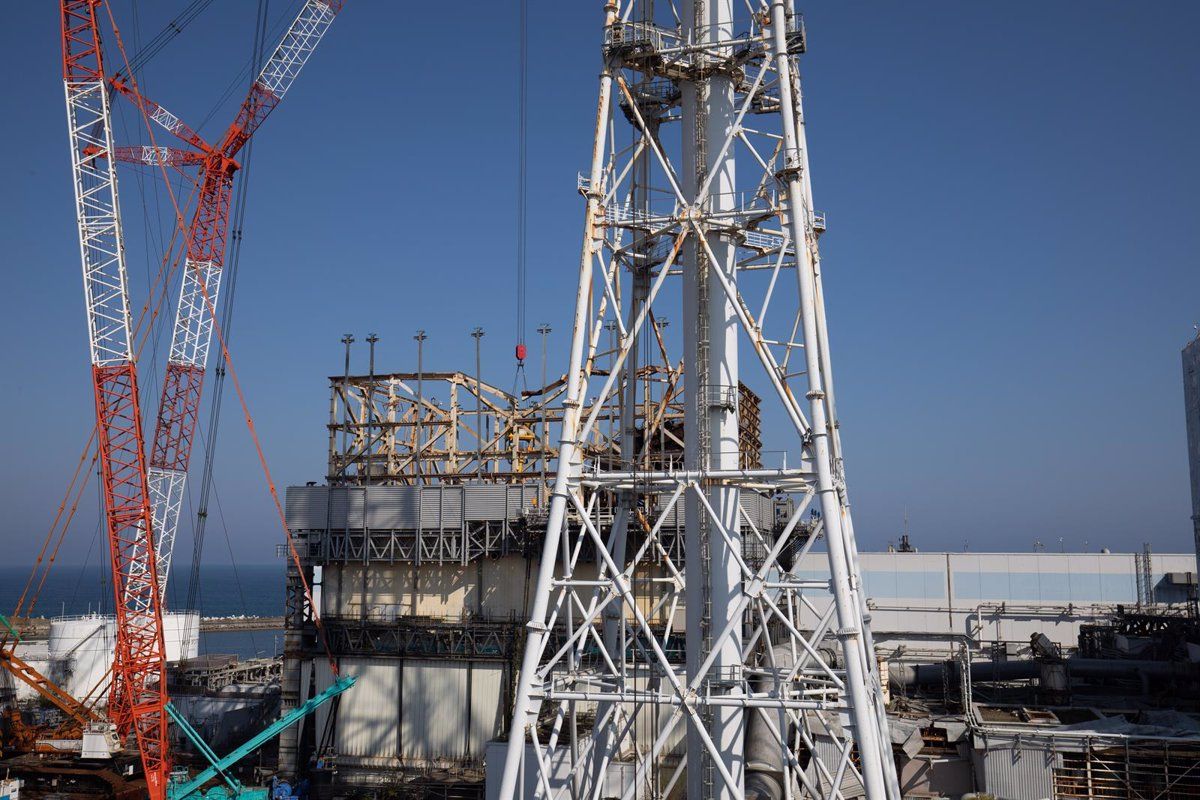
(764, 756)
(907, 676)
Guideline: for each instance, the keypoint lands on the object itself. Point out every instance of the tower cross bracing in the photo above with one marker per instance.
(714, 675)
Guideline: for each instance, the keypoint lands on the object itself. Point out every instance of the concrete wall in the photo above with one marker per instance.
(437, 713)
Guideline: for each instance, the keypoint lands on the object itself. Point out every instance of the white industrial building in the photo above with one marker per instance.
(925, 603)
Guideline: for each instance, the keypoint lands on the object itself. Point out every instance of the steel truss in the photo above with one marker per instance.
(449, 427)
(727, 209)
(472, 640)
(136, 702)
(466, 544)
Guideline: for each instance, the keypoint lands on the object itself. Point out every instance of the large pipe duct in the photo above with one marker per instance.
(764, 756)
(907, 676)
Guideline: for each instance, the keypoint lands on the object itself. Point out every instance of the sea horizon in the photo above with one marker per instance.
(224, 590)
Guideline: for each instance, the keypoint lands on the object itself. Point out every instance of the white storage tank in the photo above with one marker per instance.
(81, 651)
(35, 653)
(81, 648)
(181, 631)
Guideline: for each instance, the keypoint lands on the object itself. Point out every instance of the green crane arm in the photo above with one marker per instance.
(219, 766)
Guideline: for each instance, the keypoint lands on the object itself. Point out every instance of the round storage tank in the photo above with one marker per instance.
(81, 651)
(81, 648)
(181, 631)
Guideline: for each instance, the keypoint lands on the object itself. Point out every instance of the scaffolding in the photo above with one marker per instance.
(1160, 769)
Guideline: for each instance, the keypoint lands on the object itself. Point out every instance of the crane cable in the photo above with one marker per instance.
(522, 177)
(218, 390)
(164, 37)
(520, 381)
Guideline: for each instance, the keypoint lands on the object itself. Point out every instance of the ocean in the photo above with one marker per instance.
(224, 591)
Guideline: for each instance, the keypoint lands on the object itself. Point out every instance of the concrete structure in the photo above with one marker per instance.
(422, 549)
(1191, 402)
(422, 592)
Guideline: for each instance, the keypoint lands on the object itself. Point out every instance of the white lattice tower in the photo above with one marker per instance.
(722, 656)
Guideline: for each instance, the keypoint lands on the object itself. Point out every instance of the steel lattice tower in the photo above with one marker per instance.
(738, 662)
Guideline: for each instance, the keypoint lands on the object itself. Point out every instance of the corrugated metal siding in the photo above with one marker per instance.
(367, 716)
(441, 507)
(347, 507)
(434, 719)
(392, 507)
(487, 697)
(759, 508)
(1020, 772)
(673, 517)
(829, 753)
(416, 710)
(652, 721)
(320, 717)
(307, 508)
(485, 501)
(521, 498)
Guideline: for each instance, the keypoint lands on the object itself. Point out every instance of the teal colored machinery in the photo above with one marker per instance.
(183, 788)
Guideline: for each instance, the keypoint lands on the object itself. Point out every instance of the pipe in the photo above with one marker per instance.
(907, 676)
(764, 756)
(903, 676)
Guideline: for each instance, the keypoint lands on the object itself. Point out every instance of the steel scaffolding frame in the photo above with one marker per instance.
(755, 687)
(468, 430)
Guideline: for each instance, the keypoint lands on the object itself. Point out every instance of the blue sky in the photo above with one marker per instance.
(1010, 261)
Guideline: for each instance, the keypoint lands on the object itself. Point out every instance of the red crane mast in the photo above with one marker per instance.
(139, 686)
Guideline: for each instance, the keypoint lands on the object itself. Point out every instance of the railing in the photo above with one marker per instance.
(748, 204)
(642, 35)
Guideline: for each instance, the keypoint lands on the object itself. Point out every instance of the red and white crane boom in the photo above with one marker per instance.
(138, 695)
(179, 405)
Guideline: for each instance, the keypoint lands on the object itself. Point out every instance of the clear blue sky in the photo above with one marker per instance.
(1011, 260)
